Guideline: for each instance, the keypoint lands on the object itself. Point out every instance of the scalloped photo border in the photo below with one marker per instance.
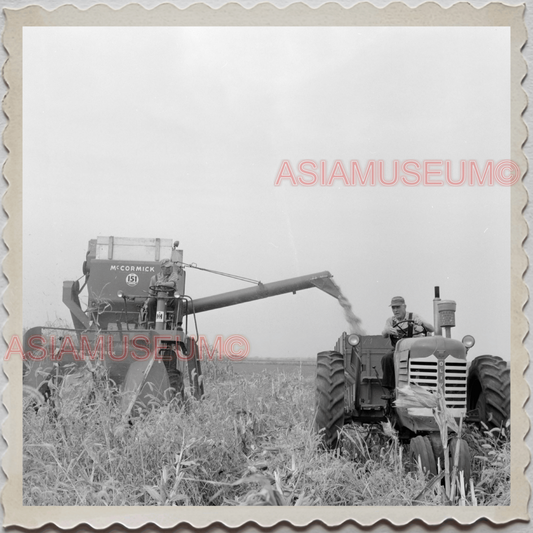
(396, 14)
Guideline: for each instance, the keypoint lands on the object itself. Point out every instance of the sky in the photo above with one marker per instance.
(180, 133)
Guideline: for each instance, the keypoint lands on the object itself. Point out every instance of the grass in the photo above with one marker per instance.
(248, 442)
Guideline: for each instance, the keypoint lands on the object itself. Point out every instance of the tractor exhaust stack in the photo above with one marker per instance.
(436, 322)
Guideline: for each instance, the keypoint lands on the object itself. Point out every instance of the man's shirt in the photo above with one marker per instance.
(161, 278)
(392, 321)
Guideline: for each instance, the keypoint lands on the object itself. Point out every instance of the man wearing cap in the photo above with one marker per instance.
(166, 278)
(402, 324)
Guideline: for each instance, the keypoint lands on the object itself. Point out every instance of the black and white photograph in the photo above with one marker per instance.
(269, 264)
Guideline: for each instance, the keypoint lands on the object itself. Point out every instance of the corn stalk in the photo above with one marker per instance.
(416, 396)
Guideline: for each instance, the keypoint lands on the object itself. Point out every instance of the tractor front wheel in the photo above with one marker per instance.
(489, 390)
(463, 459)
(330, 385)
(421, 450)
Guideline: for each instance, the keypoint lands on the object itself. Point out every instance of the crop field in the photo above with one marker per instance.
(250, 441)
(305, 368)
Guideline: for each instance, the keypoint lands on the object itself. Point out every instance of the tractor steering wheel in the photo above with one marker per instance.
(405, 333)
(161, 288)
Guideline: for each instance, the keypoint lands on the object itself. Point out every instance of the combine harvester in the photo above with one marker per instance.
(144, 360)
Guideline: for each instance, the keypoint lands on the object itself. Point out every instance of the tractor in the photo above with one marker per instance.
(148, 362)
(349, 386)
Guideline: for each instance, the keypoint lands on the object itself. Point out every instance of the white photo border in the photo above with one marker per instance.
(397, 14)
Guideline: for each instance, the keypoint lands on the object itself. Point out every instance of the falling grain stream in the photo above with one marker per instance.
(353, 320)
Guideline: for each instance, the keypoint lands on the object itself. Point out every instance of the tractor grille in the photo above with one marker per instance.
(455, 383)
(424, 372)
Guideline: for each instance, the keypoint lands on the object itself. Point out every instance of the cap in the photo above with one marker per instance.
(166, 263)
(397, 300)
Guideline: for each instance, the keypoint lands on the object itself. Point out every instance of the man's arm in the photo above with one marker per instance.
(421, 322)
(429, 327)
(151, 293)
(171, 282)
(388, 330)
(153, 282)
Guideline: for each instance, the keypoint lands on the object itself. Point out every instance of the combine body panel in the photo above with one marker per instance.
(115, 265)
(117, 350)
(142, 358)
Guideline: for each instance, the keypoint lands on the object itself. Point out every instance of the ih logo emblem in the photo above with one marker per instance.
(132, 280)
(160, 316)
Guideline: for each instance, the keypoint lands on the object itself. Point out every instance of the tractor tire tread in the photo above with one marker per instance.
(464, 460)
(421, 447)
(330, 384)
(493, 376)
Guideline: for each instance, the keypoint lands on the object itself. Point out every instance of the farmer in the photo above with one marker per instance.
(166, 278)
(401, 324)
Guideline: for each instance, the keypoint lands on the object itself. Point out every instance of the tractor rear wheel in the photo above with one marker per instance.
(463, 459)
(421, 450)
(489, 390)
(330, 385)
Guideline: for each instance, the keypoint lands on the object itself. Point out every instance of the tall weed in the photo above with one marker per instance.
(249, 441)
